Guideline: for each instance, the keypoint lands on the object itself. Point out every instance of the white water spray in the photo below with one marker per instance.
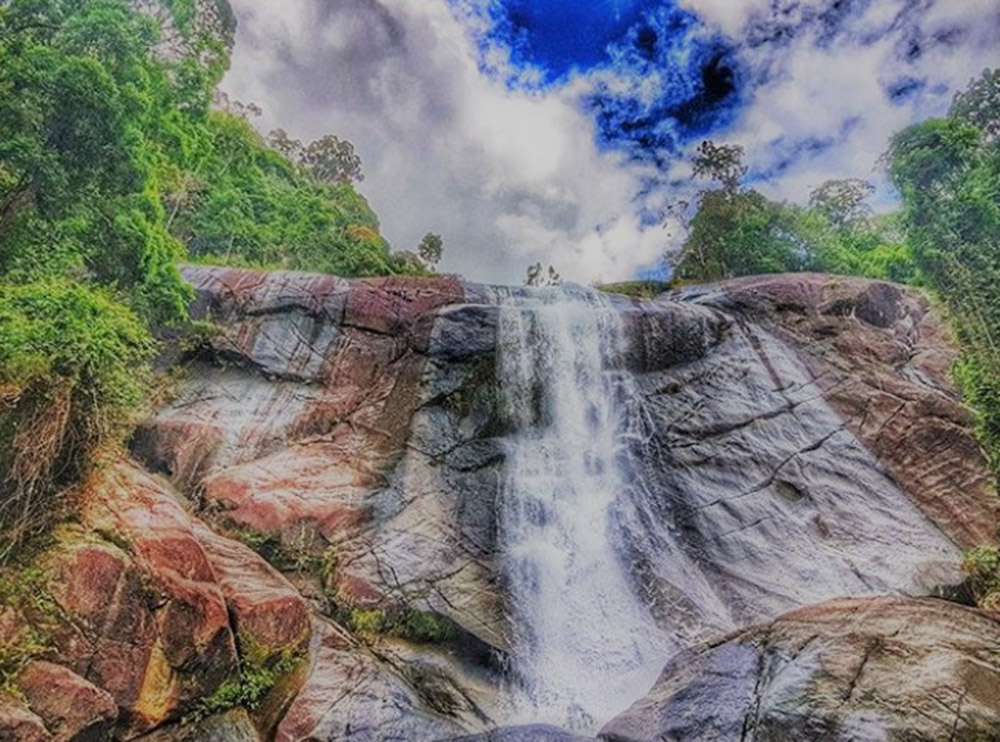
(584, 644)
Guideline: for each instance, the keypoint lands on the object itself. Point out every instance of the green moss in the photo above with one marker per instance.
(420, 627)
(424, 627)
(367, 622)
(298, 555)
(26, 592)
(260, 671)
(31, 645)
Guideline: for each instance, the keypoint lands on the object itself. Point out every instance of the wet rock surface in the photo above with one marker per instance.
(795, 439)
(879, 669)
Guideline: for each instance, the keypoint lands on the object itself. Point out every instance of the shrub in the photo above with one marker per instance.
(983, 567)
(257, 677)
(72, 366)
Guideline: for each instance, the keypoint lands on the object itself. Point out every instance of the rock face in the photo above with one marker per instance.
(147, 613)
(859, 670)
(790, 440)
(881, 360)
(70, 707)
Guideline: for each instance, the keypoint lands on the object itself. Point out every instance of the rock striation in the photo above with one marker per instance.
(850, 669)
(315, 512)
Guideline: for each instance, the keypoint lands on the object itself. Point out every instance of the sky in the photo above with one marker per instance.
(558, 131)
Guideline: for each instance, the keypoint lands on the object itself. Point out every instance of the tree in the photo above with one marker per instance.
(722, 163)
(332, 160)
(947, 172)
(430, 250)
(328, 160)
(739, 234)
(843, 202)
(979, 104)
(291, 149)
(736, 232)
(82, 103)
(238, 109)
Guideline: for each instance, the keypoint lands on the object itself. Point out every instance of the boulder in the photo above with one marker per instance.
(848, 670)
(18, 724)
(151, 625)
(153, 611)
(360, 694)
(267, 612)
(72, 709)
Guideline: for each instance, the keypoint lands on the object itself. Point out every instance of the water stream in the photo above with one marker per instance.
(585, 644)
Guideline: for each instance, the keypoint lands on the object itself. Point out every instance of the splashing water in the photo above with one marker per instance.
(584, 644)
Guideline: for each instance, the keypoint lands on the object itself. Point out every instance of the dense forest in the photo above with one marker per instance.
(119, 160)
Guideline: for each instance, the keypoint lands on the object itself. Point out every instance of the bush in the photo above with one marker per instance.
(979, 381)
(258, 674)
(72, 366)
(983, 568)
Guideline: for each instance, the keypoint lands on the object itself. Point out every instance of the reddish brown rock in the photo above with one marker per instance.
(268, 613)
(73, 709)
(18, 724)
(150, 623)
(296, 493)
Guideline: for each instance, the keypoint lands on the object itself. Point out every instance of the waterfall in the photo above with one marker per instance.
(584, 644)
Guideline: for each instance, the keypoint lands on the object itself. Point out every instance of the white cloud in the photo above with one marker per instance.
(514, 177)
(836, 92)
(729, 16)
(508, 178)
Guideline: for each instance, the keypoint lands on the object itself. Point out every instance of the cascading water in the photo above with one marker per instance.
(584, 644)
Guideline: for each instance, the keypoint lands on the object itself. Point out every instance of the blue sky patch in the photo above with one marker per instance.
(671, 80)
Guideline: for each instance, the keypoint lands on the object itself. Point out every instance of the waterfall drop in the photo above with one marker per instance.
(584, 642)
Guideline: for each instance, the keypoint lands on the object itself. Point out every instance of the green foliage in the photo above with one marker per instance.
(259, 673)
(948, 174)
(738, 232)
(635, 289)
(111, 163)
(983, 568)
(83, 105)
(246, 204)
(71, 372)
